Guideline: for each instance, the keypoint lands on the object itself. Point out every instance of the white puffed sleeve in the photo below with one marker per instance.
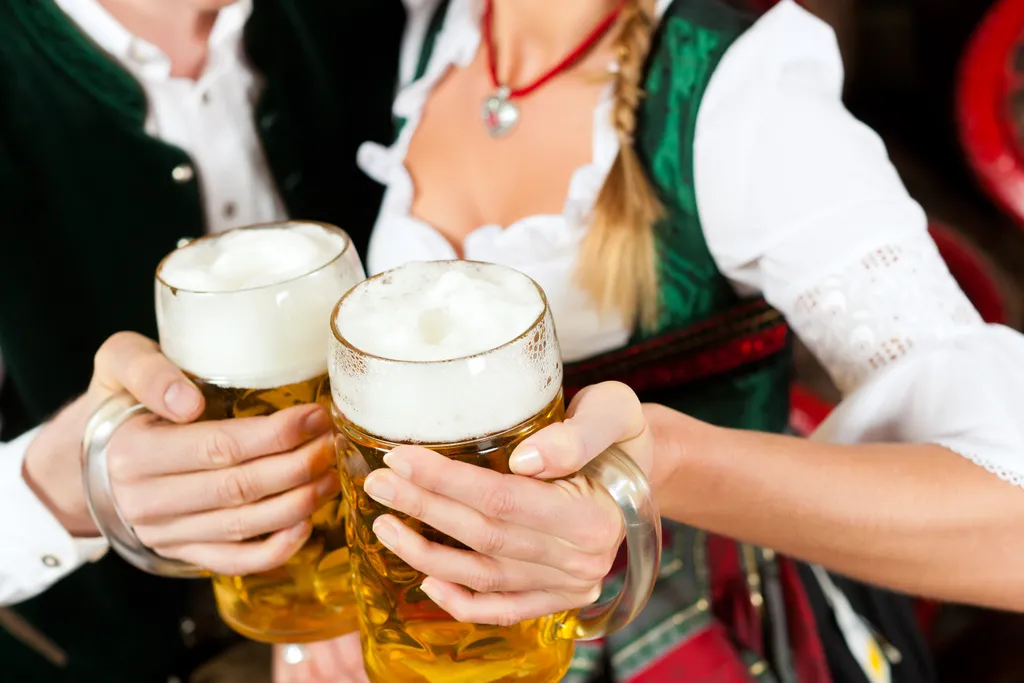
(799, 201)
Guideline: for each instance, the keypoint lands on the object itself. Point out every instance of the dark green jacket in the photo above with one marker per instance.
(89, 205)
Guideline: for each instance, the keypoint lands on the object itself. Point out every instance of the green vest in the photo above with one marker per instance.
(692, 38)
(90, 203)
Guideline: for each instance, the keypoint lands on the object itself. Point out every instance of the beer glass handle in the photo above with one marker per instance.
(111, 414)
(616, 473)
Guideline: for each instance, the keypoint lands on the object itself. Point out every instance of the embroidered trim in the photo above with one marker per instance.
(878, 308)
(666, 636)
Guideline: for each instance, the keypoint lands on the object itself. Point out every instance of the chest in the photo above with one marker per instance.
(465, 177)
(525, 200)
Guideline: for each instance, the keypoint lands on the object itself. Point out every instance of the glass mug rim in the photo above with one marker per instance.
(538, 321)
(346, 247)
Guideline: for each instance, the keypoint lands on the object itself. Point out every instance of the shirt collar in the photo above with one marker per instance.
(142, 57)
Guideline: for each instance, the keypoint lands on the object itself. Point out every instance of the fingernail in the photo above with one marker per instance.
(526, 461)
(399, 465)
(379, 488)
(182, 399)
(386, 534)
(432, 591)
(317, 423)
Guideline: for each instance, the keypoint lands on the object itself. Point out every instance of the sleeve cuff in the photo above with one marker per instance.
(36, 550)
(963, 394)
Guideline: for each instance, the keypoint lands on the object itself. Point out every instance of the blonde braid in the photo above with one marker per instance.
(617, 265)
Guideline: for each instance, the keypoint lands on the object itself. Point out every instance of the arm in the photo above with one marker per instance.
(233, 496)
(914, 517)
(932, 399)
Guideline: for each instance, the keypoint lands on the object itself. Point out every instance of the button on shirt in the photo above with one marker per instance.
(211, 119)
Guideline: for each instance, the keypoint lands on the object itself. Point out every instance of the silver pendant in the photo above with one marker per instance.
(500, 114)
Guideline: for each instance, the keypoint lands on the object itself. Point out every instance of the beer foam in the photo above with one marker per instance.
(417, 314)
(250, 258)
(444, 351)
(251, 308)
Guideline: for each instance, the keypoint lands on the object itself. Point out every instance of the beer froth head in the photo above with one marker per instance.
(249, 308)
(443, 351)
(252, 257)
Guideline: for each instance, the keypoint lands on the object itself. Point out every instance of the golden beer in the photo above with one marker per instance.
(409, 639)
(243, 313)
(462, 358)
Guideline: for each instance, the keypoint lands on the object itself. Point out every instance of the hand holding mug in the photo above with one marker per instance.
(232, 496)
(540, 543)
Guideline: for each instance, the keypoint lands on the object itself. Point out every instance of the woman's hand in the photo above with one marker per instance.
(331, 661)
(541, 546)
(195, 492)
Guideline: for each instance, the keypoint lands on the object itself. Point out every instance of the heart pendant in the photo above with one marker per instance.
(500, 115)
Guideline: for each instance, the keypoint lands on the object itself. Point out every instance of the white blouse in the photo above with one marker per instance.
(798, 202)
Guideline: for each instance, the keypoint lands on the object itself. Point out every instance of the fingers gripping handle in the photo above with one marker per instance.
(99, 495)
(616, 473)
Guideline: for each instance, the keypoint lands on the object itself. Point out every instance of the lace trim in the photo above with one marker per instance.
(1007, 475)
(879, 308)
(1010, 476)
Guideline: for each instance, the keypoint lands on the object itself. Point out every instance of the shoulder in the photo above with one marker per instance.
(691, 39)
(787, 50)
(730, 17)
(763, 42)
(19, 49)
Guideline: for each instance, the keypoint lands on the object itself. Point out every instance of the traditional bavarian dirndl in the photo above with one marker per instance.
(721, 612)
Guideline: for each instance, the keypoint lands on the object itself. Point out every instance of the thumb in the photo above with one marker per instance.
(600, 416)
(130, 362)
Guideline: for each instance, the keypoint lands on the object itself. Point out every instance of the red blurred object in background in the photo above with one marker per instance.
(806, 410)
(971, 273)
(990, 105)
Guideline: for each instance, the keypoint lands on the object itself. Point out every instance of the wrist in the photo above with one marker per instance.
(676, 438)
(688, 458)
(53, 469)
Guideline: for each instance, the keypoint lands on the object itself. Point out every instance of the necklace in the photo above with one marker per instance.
(499, 112)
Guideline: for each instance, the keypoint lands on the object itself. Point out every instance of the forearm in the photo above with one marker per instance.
(916, 518)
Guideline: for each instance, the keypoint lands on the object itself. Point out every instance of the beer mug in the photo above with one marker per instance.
(245, 315)
(461, 357)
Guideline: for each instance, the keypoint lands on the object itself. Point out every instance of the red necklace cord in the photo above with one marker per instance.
(592, 38)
